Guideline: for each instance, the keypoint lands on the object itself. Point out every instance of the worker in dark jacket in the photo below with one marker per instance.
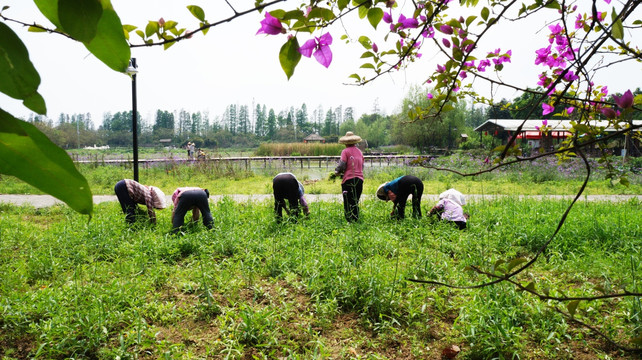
(398, 191)
(286, 186)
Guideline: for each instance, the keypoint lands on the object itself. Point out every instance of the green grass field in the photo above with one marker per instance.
(318, 288)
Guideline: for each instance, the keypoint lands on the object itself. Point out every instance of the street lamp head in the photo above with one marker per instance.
(132, 69)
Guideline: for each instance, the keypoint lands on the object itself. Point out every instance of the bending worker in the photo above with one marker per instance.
(191, 198)
(130, 193)
(398, 191)
(286, 186)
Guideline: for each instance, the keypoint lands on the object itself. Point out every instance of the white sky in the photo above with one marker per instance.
(232, 65)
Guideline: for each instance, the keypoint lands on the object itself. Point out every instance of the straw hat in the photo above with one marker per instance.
(381, 193)
(349, 138)
(453, 195)
(158, 197)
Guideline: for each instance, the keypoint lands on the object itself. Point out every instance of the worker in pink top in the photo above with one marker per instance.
(351, 167)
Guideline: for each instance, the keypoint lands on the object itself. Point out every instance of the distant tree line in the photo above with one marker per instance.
(248, 126)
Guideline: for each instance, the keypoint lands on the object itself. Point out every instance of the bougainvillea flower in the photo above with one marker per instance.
(569, 110)
(446, 42)
(270, 26)
(429, 96)
(320, 48)
(387, 18)
(375, 48)
(625, 101)
(609, 113)
(446, 29)
(408, 23)
(547, 109)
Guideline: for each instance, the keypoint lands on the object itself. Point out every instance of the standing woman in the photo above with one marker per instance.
(286, 186)
(351, 166)
(398, 191)
(191, 198)
(130, 193)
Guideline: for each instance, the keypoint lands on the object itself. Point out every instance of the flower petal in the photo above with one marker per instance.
(324, 55)
(307, 48)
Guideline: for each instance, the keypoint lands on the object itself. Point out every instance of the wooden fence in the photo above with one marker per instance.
(265, 162)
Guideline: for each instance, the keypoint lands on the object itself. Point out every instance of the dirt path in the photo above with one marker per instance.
(40, 201)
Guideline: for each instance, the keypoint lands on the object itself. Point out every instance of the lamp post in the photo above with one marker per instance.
(132, 70)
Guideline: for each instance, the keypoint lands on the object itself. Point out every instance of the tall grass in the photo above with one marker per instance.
(315, 288)
(299, 149)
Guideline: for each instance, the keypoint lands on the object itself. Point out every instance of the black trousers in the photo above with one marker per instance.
(351, 189)
(188, 200)
(285, 186)
(128, 205)
(408, 185)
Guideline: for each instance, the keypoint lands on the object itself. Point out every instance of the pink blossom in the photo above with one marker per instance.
(446, 29)
(625, 101)
(441, 68)
(446, 42)
(161, 22)
(463, 75)
(609, 113)
(547, 109)
(270, 26)
(375, 48)
(429, 96)
(407, 23)
(387, 18)
(321, 48)
(569, 110)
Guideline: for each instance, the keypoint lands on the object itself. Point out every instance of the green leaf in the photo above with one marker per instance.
(110, 45)
(34, 159)
(322, 13)
(355, 76)
(375, 15)
(514, 263)
(342, 4)
(289, 56)
(637, 340)
(365, 42)
(35, 29)
(367, 66)
(19, 79)
(49, 9)
(363, 12)
(553, 5)
(530, 286)
(617, 30)
(197, 12)
(294, 14)
(79, 18)
(470, 19)
(485, 13)
(367, 54)
(151, 28)
(572, 307)
(170, 24)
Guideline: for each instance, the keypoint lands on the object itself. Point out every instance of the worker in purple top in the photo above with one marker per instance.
(286, 186)
(351, 167)
(398, 191)
(449, 208)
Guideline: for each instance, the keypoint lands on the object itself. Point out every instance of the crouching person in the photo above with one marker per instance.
(398, 191)
(449, 208)
(286, 186)
(130, 193)
(191, 198)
